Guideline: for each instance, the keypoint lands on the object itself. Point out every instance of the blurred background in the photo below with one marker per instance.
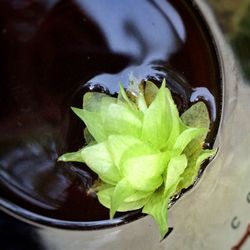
(234, 20)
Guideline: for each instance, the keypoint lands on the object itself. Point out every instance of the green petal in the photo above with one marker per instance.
(138, 149)
(98, 159)
(192, 169)
(93, 121)
(157, 208)
(141, 102)
(138, 195)
(175, 169)
(197, 116)
(123, 98)
(89, 139)
(161, 123)
(118, 144)
(134, 205)
(176, 125)
(74, 156)
(120, 119)
(186, 137)
(150, 92)
(94, 101)
(105, 195)
(144, 172)
(122, 191)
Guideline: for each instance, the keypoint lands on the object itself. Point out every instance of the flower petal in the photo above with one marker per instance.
(186, 137)
(74, 156)
(144, 172)
(105, 195)
(175, 168)
(93, 121)
(192, 169)
(122, 191)
(157, 208)
(197, 116)
(123, 98)
(161, 124)
(150, 92)
(94, 101)
(120, 119)
(118, 144)
(98, 159)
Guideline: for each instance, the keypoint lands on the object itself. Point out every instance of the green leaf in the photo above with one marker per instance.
(138, 195)
(119, 144)
(98, 159)
(175, 169)
(197, 116)
(120, 119)
(74, 156)
(89, 139)
(176, 124)
(122, 190)
(141, 102)
(192, 169)
(161, 120)
(123, 98)
(138, 149)
(157, 122)
(133, 205)
(186, 137)
(144, 172)
(150, 92)
(95, 102)
(105, 195)
(157, 208)
(93, 121)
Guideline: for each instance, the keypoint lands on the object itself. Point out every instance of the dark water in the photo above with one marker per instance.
(52, 52)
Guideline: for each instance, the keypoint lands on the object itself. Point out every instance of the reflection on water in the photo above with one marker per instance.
(27, 165)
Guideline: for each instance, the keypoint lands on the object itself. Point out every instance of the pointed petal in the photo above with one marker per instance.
(144, 172)
(74, 156)
(93, 121)
(157, 208)
(105, 194)
(94, 101)
(186, 137)
(119, 119)
(197, 116)
(118, 144)
(134, 202)
(123, 98)
(175, 168)
(162, 118)
(150, 92)
(122, 190)
(98, 159)
(193, 167)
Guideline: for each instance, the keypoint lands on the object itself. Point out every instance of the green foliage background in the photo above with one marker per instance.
(234, 19)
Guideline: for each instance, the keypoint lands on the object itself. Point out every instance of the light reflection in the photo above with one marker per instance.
(205, 94)
(125, 30)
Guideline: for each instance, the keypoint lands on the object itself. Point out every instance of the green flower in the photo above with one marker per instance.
(141, 149)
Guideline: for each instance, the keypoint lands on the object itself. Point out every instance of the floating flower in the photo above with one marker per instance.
(141, 149)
